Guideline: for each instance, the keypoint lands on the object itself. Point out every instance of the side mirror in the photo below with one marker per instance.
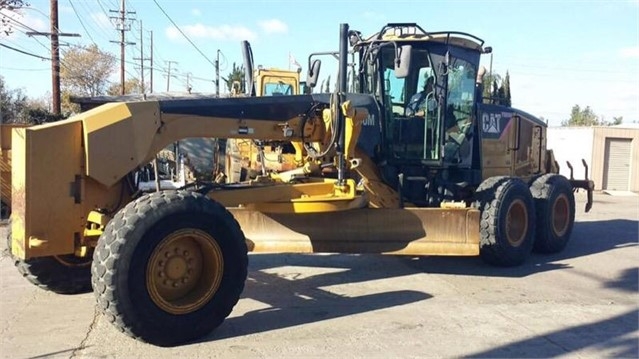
(313, 73)
(402, 61)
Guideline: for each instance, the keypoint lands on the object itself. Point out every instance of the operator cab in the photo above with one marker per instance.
(427, 124)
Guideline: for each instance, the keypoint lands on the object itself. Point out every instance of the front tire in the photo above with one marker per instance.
(507, 221)
(170, 267)
(555, 206)
(65, 274)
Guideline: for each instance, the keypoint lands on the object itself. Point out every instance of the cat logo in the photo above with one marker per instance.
(491, 123)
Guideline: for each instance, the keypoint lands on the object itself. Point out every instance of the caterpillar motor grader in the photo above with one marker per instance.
(245, 158)
(463, 178)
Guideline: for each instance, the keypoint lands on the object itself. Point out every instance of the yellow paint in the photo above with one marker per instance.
(320, 196)
(408, 231)
(46, 160)
(184, 271)
(265, 76)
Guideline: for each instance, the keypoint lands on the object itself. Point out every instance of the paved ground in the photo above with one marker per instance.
(581, 303)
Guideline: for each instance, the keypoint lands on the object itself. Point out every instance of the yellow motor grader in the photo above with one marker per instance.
(458, 177)
(245, 158)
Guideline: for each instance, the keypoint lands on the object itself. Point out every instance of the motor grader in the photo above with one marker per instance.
(463, 178)
(244, 158)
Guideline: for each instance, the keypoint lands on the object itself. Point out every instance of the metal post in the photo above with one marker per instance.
(217, 73)
(122, 19)
(55, 58)
(168, 75)
(491, 68)
(142, 58)
(341, 89)
(151, 57)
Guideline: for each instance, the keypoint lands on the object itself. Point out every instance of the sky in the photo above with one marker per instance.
(558, 53)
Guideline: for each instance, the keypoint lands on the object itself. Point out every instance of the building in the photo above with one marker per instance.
(611, 153)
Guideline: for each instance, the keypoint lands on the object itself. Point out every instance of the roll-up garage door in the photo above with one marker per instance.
(617, 164)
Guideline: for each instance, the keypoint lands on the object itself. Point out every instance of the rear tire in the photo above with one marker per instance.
(170, 267)
(507, 221)
(5, 211)
(65, 274)
(555, 209)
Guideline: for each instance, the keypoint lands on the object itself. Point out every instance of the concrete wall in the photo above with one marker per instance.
(572, 144)
(599, 153)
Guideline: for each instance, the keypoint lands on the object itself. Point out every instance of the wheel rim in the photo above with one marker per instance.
(184, 271)
(560, 215)
(516, 223)
(72, 261)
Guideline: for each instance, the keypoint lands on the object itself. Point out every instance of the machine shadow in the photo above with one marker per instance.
(612, 334)
(296, 301)
(587, 238)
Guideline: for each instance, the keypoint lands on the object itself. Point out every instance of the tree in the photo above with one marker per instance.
(497, 89)
(587, 117)
(237, 74)
(487, 83)
(328, 84)
(131, 86)
(66, 106)
(16, 107)
(85, 70)
(13, 102)
(506, 85)
(6, 26)
(582, 117)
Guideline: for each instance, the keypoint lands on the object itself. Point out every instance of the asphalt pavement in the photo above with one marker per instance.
(581, 303)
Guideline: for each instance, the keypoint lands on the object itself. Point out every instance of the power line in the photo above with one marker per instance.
(18, 69)
(182, 32)
(78, 46)
(13, 43)
(103, 9)
(28, 28)
(99, 28)
(24, 52)
(81, 22)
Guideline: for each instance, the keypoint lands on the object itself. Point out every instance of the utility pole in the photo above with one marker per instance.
(217, 73)
(55, 54)
(151, 58)
(168, 75)
(55, 58)
(188, 82)
(142, 59)
(123, 27)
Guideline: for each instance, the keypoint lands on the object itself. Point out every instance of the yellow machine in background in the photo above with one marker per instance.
(246, 159)
(458, 177)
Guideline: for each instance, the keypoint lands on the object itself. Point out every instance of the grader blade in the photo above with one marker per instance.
(407, 231)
